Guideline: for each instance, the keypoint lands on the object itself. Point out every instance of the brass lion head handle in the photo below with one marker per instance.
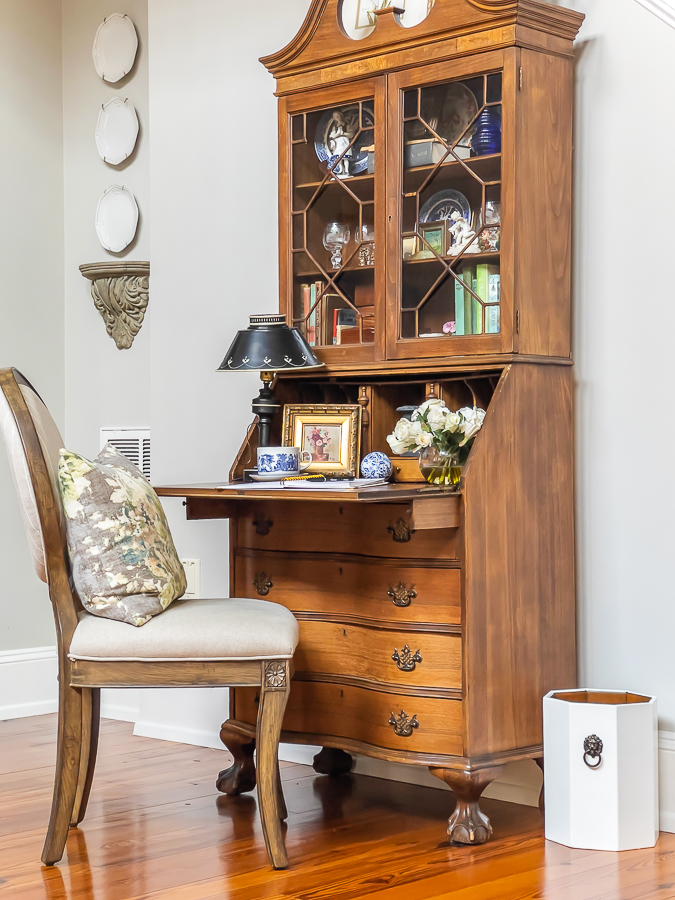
(592, 750)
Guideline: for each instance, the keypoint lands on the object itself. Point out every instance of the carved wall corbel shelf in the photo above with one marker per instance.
(120, 292)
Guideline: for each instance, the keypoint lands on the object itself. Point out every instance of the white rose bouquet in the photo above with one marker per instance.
(434, 425)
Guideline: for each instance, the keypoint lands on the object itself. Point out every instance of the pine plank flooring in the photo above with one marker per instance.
(157, 829)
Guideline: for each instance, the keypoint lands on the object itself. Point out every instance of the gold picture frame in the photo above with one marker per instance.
(331, 434)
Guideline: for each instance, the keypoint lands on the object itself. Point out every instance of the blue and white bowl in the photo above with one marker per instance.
(376, 465)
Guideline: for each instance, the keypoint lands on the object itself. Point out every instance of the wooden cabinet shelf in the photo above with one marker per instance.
(466, 258)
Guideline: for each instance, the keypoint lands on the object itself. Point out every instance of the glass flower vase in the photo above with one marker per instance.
(441, 467)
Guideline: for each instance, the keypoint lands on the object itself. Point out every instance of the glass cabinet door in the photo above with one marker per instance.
(447, 243)
(335, 230)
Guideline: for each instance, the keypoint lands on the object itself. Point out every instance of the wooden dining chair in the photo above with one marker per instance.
(193, 643)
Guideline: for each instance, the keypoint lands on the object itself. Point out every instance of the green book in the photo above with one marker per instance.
(492, 319)
(476, 310)
(459, 307)
(468, 275)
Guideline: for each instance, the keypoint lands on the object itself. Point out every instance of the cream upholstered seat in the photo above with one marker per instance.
(229, 642)
(210, 630)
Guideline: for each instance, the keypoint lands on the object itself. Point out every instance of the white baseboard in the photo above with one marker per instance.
(120, 704)
(28, 682)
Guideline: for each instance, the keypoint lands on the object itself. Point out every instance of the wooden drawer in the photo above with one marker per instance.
(326, 648)
(357, 587)
(358, 714)
(359, 528)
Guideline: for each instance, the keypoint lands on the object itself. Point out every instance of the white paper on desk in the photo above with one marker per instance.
(251, 486)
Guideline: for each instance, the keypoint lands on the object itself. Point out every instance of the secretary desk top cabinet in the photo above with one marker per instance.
(438, 150)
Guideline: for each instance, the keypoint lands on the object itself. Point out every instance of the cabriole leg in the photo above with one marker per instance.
(240, 777)
(468, 824)
(332, 761)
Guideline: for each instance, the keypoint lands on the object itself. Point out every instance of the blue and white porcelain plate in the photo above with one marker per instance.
(443, 204)
(334, 133)
(376, 465)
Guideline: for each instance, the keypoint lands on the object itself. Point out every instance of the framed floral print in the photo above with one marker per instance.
(330, 434)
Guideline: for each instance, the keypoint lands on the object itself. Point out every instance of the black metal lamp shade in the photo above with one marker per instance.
(268, 345)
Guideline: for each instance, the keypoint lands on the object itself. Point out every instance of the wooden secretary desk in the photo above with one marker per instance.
(431, 623)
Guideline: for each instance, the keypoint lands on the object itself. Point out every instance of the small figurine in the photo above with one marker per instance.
(461, 233)
(450, 328)
(339, 137)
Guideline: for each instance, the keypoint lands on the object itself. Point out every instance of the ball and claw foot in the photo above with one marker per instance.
(468, 824)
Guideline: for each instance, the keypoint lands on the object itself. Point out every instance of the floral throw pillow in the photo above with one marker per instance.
(124, 562)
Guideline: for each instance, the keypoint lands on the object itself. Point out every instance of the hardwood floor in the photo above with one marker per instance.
(157, 829)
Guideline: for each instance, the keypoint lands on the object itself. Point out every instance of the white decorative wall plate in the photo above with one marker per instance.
(115, 46)
(116, 131)
(358, 18)
(116, 218)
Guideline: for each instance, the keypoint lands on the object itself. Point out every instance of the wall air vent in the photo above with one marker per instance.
(134, 443)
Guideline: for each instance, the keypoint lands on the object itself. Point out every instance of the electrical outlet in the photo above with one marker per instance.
(193, 574)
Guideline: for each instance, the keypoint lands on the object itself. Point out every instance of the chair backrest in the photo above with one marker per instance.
(33, 441)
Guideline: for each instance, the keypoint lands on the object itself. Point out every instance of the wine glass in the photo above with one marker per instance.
(336, 236)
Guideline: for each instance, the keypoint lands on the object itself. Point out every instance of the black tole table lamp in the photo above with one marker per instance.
(267, 346)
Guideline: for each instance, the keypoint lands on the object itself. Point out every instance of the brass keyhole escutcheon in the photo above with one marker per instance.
(401, 595)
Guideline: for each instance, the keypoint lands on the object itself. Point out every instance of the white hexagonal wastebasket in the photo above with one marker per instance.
(601, 769)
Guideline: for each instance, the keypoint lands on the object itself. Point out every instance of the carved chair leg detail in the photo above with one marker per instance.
(332, 761)
(540, 763)
(273, 698)
(468, 824)
(91, 717)
(68, 754)
(239, 778)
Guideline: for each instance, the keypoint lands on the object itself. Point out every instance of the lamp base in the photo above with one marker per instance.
(265, 406)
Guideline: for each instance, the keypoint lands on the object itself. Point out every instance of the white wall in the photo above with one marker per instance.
(104, 386)
(31, 272)
(214, 258)
(623, 350)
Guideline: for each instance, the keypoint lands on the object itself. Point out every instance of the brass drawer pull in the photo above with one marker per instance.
(401, 532)
(262, 525)
(402, 725)
(402, 595)
(406, 659)
(262, 584)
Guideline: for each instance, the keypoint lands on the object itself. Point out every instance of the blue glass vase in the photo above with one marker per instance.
(488, 135)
